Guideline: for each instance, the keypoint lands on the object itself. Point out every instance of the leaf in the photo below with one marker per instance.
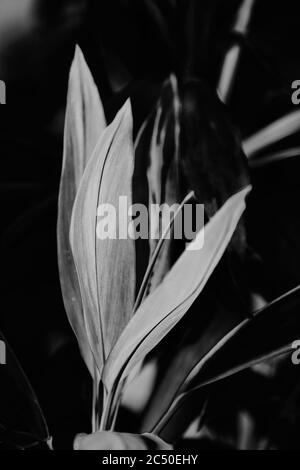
(163, 152)
(156, 17)
(104, 267)
(156, 253)
(20, 411)
(273, 133)
(232, 57)
(84, 123)
(120, 441)
(158, 143)
(164, 308)
(85, 119)
(211, 153)
(269, 333)
(222, 308)
(274, 157)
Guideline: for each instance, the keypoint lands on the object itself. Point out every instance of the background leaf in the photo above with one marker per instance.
(19, 407)
(274, 132)
(269, 333)
(158, 144)
(231, 61)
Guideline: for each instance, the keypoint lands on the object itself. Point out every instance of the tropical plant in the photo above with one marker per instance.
(194, 344)
(116, 329)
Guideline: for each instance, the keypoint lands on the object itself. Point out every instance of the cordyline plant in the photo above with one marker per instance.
(127, 316)
(117, 329)
(115, 332)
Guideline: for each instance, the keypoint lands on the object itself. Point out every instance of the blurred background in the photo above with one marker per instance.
(131, 47)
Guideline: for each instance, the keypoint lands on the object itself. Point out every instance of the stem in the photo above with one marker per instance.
(107, 402)
(95, 399)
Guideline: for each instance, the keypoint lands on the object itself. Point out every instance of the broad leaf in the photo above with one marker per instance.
(164, 308)
(84, 123)
(105, 266)
(222, 307)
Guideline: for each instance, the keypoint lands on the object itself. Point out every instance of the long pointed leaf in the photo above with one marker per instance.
(155, 256)
(104, 267)
(158, 141)
(163, 309)
(221, 309)
(278, 130)
(84, 123)
(20, 410)
(268, 334)
(232, 57)
(274, 157)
